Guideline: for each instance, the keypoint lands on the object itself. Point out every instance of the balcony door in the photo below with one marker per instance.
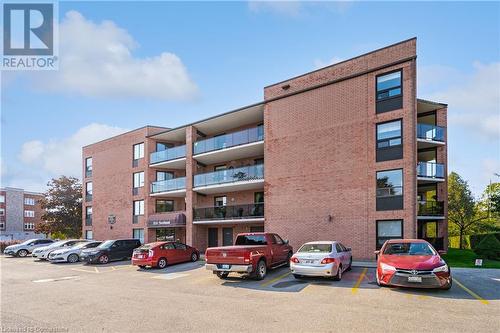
(220, 206)
(213, 237)
(227, 236)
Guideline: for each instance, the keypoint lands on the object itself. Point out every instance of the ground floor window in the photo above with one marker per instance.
(257, 228)
(138, 234)
(165, 234)
(388, 229)
(88, 234)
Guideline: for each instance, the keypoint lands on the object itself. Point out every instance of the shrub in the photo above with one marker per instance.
(4, 244)
(489, 247)
(476, 239)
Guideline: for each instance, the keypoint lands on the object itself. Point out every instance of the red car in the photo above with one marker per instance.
(411, 263)
(161, 254)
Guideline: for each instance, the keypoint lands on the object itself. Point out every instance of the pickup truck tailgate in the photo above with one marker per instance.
(230, 254)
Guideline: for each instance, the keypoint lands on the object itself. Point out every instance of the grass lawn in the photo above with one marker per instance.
(466, 258)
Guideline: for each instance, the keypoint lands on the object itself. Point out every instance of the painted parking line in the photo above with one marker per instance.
(267, 283)
(169, 276)
(358, 282)
(86, 270)
(470, 292)
(57, 279)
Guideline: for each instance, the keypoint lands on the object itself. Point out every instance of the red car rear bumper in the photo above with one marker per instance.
(143, 262)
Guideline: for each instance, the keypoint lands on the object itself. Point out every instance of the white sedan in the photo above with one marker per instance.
(42, 253)
(71, 254)
(324, 258)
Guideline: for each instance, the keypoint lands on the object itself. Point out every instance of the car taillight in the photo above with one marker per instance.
(294, 260)
(247, 256)
(327, 260)
(150, 253)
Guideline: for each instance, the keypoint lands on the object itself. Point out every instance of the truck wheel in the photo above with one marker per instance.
(222, 275)
(261, 270)
(338, 277)
(22, 253)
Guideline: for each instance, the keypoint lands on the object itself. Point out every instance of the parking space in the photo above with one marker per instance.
(186, 296)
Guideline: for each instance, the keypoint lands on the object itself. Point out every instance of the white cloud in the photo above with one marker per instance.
(474, 100)
(96, 60)
(63, 156)
(318, 63)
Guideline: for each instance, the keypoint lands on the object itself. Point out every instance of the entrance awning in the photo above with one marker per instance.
(169, 219)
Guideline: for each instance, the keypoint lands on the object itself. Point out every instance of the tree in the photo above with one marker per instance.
(63, 208)
(463, 210)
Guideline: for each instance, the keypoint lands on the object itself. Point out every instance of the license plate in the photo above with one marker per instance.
(309, 261)
(139, 256)
(414, 279)
(224, 266)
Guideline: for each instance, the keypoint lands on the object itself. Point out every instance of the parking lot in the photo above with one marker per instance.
(119, 297)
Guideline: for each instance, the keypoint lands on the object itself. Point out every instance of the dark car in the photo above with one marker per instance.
(110, 250)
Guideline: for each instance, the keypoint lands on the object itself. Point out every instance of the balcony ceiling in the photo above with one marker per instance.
(179, 164)
(231, 187)
(170, 194)
(218, 124)
(253, 149)
(424, 106)
(422, 143)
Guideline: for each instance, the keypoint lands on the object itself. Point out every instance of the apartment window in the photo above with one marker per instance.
(29, 201)
(388, 229)
(2, 198)
(389, 92)
(138, 153)
(29, 213)
(389, 141)
(220, 201)
(164, 175)
(138, 234)
(163, 206)
(138, 207)
(2, 225)
(2, 211)
(139, 179)
(88, 215)
(88, 167)
(88, 191)
(29, 226)
(89, 234)
(390, 189)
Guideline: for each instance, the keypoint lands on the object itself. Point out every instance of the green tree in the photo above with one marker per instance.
(463, 210)
(63, 208)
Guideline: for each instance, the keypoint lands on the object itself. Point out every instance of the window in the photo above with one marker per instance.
(390, 189)
(138, 207)
(389, 134)
(29, 213)
(139, 151)
(88, 188)
(257, 228)
(388, 85)
(88, 215)
(2, 198)
(388, 229)
(220, 201)
(2, 211)
(29, 226)
(139, 179)
(88, 167)
(180, 246)
(163, 206)
(138, 234)
(338, 248)
(2, 225)
(164, 175)
(88, 234)
(278, 240)
(29, 201)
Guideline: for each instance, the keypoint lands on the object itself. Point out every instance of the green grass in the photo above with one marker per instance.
(466, 258)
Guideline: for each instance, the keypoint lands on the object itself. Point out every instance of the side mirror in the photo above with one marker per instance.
(286, 241)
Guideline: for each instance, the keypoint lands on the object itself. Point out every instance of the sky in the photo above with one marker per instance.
(124, 65)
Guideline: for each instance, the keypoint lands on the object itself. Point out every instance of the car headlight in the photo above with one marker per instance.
(386, 267)
(443, 268)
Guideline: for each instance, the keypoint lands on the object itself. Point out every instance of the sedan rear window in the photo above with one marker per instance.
(412, 249)
(316, 248)
(251, 240)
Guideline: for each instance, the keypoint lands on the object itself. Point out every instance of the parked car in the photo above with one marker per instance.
(327, 259)
(26, 247)
(252, 253)
(110, 250)
(71, 254)
(159, 254)
(42, 253)
(411, 263)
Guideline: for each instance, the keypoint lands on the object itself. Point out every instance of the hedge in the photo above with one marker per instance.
(489, 247)
(476, 239)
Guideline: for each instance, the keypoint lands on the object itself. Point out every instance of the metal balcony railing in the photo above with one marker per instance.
(168, 185)
(430, 132)
(168, 154)
(248, 135)
(430, 208)
(246, 173)
(254, 210)
(430, 170)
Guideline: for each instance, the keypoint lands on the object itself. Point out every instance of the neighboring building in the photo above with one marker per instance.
(346, 153)
(20, 212)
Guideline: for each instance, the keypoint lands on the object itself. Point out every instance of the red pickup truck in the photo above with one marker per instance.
(252, 253)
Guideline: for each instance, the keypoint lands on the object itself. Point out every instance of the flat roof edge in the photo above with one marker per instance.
(431, 102)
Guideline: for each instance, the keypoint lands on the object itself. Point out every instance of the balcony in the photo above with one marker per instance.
(167, 219)
(229, 214)
(175, 187)
(429, 136)
(431, 210)
(172, 158)
(430, 172)
(232, 146)
(237, 179)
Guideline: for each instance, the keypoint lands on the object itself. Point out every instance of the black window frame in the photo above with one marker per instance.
(391, 201)
(377, 92)
(377, 246)
(165, 200)
(400, 120)
(88, 170)
(390, 152)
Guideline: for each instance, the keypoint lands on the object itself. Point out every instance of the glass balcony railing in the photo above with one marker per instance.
(430, 132)
(255, 210)
(430, 170)
(430, 208)
(248, 135)
(252, 172)
(168, 154)
(168, 185)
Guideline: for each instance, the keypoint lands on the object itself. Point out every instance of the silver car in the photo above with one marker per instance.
(42, 253)
(26, 247)
(71, 254)
(325, 258)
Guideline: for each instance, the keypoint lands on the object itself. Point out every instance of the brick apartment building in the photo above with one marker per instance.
(346, 152)
(20, 212)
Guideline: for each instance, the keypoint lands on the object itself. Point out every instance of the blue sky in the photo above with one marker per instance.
(129, 64)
